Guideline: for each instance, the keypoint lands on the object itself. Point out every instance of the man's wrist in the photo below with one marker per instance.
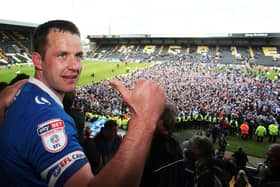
(145, 122)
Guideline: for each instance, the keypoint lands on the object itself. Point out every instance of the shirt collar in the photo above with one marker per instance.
(42, 86)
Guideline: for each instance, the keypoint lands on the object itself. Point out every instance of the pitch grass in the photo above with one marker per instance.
(106, 70)
(6, 75)
(102, 70)
(251, 147)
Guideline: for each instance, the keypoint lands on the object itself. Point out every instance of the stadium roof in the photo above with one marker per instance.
(221, 35)
(9, 24)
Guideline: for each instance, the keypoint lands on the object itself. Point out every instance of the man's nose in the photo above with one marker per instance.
(74, 63)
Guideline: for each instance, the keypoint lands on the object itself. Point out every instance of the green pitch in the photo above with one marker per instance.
(251, 147)
(6, 75)
(93, 71)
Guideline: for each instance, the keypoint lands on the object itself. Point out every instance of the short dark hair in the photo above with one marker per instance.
(41, 33)
(273, 155)
(3, 85)
(168, 116)
(19, 77)
(68, 99)
(110, 124)
(202, 147)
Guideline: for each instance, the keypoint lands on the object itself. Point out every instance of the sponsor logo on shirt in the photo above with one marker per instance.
(41, 100)
(67, 161)
(53, 135)
(56, 170)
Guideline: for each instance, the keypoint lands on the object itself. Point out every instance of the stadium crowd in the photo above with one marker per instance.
(201, 92)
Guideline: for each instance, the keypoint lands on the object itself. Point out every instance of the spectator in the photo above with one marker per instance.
(244, 127)
(260, 133)
(271, 172)
(240, 159)
(219, 154)
(189, 162)
(43, 148)
(200, 132)
(215, 134)
(92, 153)
(77, 115)
(164, 166)
(222, 143)
(273, 132)
(208, 132)
(108, 141)
(225, 126)
(242, 180)
(233, 126)
(208, 171)
(87, 132)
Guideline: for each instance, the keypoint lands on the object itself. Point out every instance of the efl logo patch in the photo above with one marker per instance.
(53, 135)
(54, 172)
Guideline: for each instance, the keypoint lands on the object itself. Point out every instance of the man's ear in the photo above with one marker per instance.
(37, 61)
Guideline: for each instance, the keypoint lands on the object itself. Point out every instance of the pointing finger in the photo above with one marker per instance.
(121, 88)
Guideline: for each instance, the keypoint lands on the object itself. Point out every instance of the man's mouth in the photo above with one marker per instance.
(71, 78)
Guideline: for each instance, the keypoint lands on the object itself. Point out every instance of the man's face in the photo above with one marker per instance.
(62, 64)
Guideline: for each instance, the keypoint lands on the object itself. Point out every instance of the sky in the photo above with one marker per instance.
(159, 17)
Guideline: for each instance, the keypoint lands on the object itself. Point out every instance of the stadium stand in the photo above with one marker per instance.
(256, 49)
(15, 42)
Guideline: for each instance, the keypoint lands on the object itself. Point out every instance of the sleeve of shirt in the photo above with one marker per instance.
(60, 171)
(56, 153)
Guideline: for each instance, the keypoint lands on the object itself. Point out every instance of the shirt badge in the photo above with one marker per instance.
(53, 135)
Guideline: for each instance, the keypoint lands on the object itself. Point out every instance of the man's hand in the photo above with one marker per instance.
(6, 97)
(147, 99)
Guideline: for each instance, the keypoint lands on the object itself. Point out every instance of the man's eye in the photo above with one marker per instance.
(80, 56)
(62, 55)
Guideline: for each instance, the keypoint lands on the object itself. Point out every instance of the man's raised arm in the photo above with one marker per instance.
(146, 102)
